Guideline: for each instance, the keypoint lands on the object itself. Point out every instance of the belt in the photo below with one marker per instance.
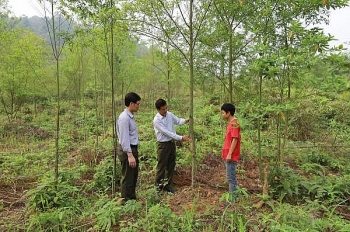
(170, 141)
(133, 146)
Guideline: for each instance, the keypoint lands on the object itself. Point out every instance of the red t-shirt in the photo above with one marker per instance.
(232, 131)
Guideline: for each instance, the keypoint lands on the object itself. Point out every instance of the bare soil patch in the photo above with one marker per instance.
(210, 184)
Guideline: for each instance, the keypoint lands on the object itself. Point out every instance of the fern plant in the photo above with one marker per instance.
(49, 194)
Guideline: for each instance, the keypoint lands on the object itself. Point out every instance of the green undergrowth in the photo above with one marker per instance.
(308, 189)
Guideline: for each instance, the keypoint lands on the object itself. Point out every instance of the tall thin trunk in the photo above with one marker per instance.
(259, 127)
(279, 122)
(57, 121)
(56, 54)
(191, 48)
(96, 110)
(103, 101)
(230, 85)
(168, 72)
(113, 108)
(56, 47)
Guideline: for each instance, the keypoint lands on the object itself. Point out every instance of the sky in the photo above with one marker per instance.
(337, 27)
(25, 7)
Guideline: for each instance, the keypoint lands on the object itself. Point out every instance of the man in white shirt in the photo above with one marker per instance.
(164, 125)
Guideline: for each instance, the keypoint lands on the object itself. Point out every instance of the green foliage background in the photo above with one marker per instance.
(290, 87)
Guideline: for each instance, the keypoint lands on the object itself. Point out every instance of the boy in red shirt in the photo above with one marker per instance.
(231, 149)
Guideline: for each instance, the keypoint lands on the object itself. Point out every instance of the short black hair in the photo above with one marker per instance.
(229, 107)
(159, 103)
(131, 97)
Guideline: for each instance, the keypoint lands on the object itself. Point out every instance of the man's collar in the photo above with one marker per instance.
(131, 115)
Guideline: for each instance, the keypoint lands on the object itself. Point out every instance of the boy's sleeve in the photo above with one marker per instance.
(234, 131)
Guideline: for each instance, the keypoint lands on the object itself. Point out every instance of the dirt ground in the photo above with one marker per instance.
(210, 184)
(13, 203)
(209, 188)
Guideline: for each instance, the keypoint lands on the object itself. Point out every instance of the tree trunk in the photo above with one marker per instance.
(191, 48)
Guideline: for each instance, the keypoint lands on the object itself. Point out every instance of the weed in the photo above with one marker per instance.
(49, 194)
(235, 196)
(103, 176)
(157, 218)
(109, 212)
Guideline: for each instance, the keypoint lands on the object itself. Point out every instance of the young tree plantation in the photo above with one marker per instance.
(63, 78)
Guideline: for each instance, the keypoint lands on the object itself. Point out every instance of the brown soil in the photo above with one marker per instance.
(13, 205)
(209, 187)
(210, 184)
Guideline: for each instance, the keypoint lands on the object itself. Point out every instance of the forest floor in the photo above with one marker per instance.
(206, 195)
(210, 184)
(203, 200)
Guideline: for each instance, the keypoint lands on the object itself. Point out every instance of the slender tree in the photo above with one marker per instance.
(285, 41)
(225, 40)
(178, 24)
(107, 16)
(54, 22)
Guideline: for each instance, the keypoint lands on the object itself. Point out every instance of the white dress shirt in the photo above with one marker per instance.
(164, 126)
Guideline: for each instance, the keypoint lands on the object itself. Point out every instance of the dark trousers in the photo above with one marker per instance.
(129, 175)
(166, 163)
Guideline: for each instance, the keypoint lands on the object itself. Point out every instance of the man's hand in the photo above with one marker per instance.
(185, 138)
(131, 159)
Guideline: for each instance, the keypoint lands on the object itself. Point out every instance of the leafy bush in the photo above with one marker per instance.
(86, 122)
(104, 175)
(331, 189)
(148, 152)
(313, 168)
(285, 184)
(319, 158)
(286, 217)
(320, 162)
(151, 195)
(158, 218)
(108, 213)
(49, 195)
(52, 220)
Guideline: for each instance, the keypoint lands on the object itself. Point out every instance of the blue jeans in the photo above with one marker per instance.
(231, 176)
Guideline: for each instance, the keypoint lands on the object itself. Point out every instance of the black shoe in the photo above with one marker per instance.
(169, 189)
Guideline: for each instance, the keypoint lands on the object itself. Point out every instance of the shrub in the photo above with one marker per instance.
(103, 176)
(49, 194)
(158, 218)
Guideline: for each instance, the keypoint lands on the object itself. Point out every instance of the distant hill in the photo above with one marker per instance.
(38, 25)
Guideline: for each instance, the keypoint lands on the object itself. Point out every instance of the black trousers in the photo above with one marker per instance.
(129, 174)
(166, 152)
